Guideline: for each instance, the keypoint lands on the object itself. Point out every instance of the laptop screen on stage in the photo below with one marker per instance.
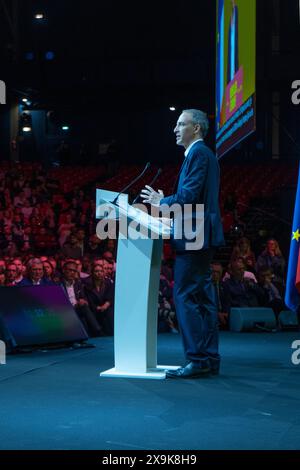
(40, 315)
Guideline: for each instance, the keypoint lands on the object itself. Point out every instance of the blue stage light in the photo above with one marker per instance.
(49, 55)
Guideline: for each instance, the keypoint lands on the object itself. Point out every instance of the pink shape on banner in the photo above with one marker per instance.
(234, 93)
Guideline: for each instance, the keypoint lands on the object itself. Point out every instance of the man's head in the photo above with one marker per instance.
(216, 272)
(108, 256)
(265, 276)
(80, 235)
(108, 269)
(35, 269)
(70, 271)
(19, 265)
(192, 125)
(237, 269)
(11, 272)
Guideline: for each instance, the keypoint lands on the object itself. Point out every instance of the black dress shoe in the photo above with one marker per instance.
(190, 371)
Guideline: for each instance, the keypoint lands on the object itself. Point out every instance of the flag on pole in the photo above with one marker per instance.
(292, 293)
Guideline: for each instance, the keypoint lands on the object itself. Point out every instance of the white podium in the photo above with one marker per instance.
(136, 289)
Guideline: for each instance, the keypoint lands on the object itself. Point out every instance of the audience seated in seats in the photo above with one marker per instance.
(2, 277)
(71, 249)
(81, 274)
(167, 268)
(86, 264)
(20, 269)
(218, 284)
(240, 291)
(109, 270)
(65, 228)
(240, 262)
(109, 257)
(166, 310)
(48, 270)
(273, 296)
(81, 240)
(75, 292)
(100, 295)
(242, 250)
(94, 246)
(10, 274)
(35, 274)
(272, 258)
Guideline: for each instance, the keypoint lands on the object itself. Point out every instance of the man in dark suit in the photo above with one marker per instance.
(195, 302)
(35, 274)
(74, 290)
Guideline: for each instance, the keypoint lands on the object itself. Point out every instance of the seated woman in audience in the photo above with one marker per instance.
(272, 258)
(99, 293)
(243, 250)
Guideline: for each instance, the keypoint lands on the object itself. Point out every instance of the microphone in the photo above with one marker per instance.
(132, 183)
(159, 171)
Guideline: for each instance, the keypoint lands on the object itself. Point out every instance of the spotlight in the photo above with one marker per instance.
(172, 108)
(49, 55)
(26, 129)
(65, 128)
(25, 100)
(39, 16)
(29, 56)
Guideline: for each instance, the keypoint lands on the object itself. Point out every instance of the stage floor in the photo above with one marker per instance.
(56, 399)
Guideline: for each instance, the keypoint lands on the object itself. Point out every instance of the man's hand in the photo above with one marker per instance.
(152, 197)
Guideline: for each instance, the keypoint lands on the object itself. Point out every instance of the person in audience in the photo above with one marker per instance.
(2, 278)
(86, 264)
(11, 274)
(216, 276)
(240, 291)
(20, 269)
(71, 249)
(81, 241)
(272, 258)
(240, 262)
(94, 246)
(81, 274)
(167, 321)
(65, 228)
(99, 292)
(273, 296)
(242, 250)
(109, 270)
(74, 290)
(48, 270)
(35, 274)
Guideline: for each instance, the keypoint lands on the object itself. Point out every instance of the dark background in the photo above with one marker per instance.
(119, 66)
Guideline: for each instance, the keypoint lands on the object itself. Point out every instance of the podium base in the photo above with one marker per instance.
(157, 373)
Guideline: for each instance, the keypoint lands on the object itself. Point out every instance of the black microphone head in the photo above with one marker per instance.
(148, 166)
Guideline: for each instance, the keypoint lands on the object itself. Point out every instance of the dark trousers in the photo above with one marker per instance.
(196, 307)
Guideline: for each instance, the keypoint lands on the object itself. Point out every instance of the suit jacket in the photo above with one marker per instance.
(198, 183)
(26, 281)
(78, 289)
(96, 298)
